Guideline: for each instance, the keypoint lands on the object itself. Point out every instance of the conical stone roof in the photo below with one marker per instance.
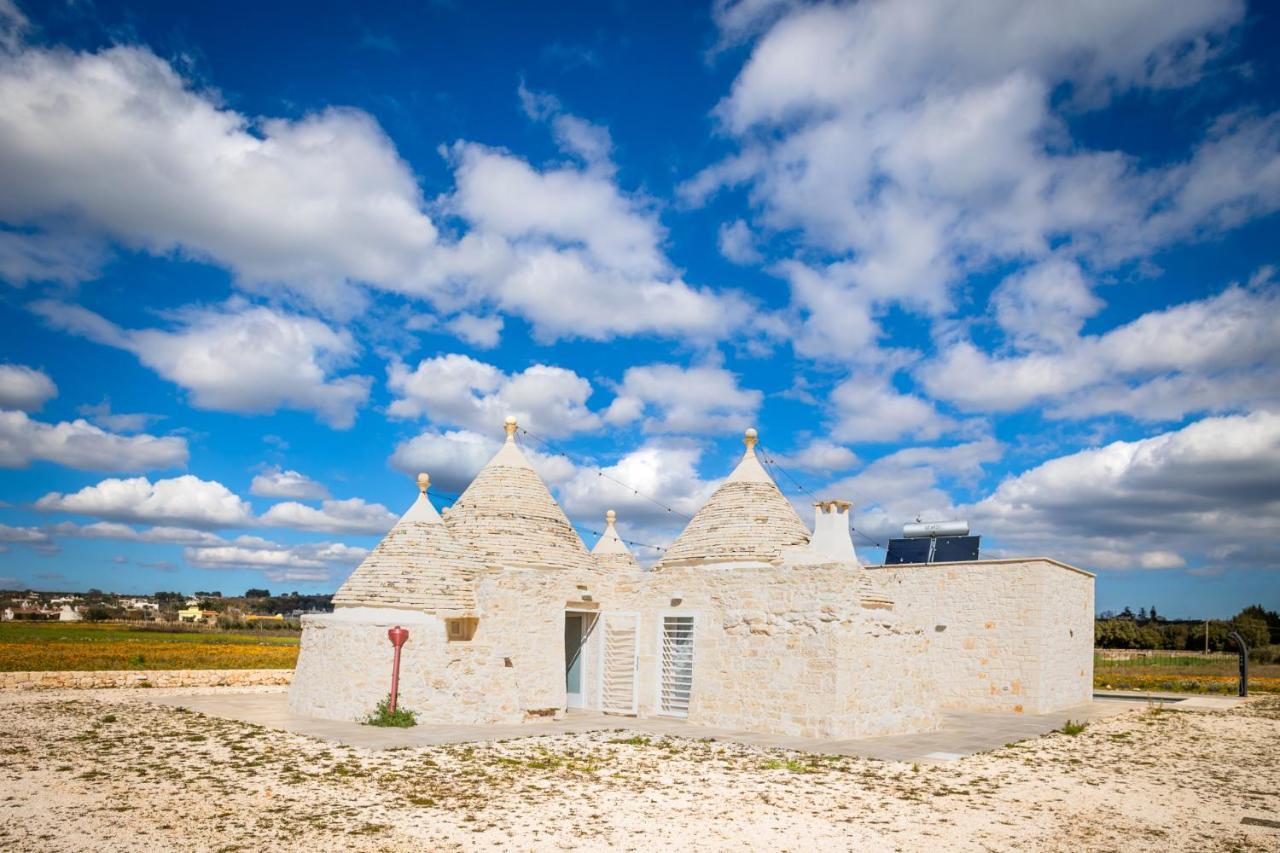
(509, 518)
(418, 565)
(747, 520)
(611, 553)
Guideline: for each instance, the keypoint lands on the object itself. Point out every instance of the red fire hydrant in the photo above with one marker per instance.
(397, 636)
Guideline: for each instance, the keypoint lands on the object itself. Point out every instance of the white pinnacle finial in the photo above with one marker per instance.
(511, 427)
(749, 438)
(610, 517)
(424, 482)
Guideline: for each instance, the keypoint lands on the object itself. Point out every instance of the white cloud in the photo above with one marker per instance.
(1214, 354)
(1198, 494)
(309, 562)
(79, 444)
(33, 537)
(185, 500)
(120, 144)
(482, 332)
(907, 484)
(909, 145)
(867, 408)
(453, 458)
(459, 390)
(345, 516)
(737, 243)
(102, 415)
(1045, 305)
(238, 357)
(114, 530)
(821, 456)
(671, 398)
(656, 475)
(24, 388)
(275, 482)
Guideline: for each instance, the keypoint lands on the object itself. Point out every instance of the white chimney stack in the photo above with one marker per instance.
(831, 539)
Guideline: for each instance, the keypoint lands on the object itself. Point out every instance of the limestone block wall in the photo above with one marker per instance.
(63, 679)
(1004, 635)
(786, 650)
(344, 670)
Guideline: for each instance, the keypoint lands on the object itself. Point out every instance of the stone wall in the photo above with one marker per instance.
(60, 680)
(1005, 635)
(344, 670)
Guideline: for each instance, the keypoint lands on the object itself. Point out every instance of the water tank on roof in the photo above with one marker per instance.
(934, 529)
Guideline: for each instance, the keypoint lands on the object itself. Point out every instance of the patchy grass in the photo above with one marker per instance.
(1183, 675)
(47, 646)
(1073, 727)
(400, 718)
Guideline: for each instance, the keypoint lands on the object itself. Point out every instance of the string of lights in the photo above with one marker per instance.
(559, 451)
(768, 459)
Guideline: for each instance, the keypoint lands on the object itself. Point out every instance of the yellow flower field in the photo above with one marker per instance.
(36, 646)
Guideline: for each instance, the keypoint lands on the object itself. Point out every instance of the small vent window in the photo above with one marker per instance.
(461, 629)
(677, 666)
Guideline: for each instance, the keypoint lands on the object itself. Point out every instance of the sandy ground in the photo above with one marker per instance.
(104, 770)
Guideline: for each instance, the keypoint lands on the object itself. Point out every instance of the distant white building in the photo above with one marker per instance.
(68, 614)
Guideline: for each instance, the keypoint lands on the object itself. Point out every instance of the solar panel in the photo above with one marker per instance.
(955, 549)
(906, 551)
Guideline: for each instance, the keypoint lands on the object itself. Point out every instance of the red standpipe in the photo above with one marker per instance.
(397, 636)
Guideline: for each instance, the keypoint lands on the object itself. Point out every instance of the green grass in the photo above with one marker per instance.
(383, 716)
(1073, 728)
(47, 646)
(1182, 674)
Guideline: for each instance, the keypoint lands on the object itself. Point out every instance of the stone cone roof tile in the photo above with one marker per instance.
(507, 515)
(746, 520)
(418, 565)
(611, 553)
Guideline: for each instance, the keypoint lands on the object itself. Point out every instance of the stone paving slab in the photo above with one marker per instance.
(961, 734)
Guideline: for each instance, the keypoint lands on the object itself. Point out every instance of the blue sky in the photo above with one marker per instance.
(1011, 262)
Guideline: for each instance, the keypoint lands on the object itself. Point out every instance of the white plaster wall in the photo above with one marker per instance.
(344, 670)
(1004, 635)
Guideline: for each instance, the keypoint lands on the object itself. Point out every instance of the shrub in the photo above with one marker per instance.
(1073, 728)
(400, 718)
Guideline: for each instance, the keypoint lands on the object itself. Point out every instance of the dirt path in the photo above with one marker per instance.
(105, 770)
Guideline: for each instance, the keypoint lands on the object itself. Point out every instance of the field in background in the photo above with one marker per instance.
(46, 646)
(1183, 674)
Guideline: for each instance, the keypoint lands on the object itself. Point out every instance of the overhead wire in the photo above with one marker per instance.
(770, 460)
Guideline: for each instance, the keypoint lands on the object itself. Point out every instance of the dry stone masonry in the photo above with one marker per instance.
(748, 621)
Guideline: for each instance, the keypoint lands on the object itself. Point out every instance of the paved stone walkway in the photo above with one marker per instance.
(961, 733)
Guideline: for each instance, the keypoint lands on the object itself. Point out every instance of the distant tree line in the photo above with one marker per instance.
(1147, 629)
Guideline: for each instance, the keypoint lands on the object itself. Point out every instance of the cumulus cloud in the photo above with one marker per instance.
(119, 143)
(482, 332)
(353, 515)
(671, 398)
(461, 391)
(238, 357)
(275, 482)
(866, 407)
(908, 145)
(317, 561)
(162, 534)
(1198, 495)
(1213, 354)
(737, 243)
(25, 388)
(32, 537)
(80, 444)
(454, 457)
(909, 484)
(820, 455)
(185, 500)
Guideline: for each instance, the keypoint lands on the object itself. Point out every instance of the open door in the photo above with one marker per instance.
(620, 659)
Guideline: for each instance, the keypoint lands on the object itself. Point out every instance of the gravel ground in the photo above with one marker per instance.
(105, 770)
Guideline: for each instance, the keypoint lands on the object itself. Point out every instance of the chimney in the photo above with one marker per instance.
(831, 540)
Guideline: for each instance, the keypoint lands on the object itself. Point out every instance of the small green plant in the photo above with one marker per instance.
(109, 718)
(400, 718)
(1073, 728)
